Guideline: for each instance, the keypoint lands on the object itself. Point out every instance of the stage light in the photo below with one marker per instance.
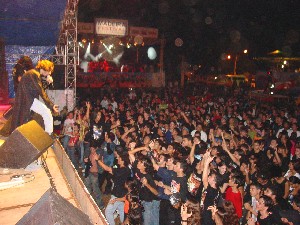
(151, 53)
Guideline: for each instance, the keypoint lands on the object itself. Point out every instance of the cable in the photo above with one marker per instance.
(44, 164)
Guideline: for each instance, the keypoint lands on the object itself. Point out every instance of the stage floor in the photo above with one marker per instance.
(16, 200)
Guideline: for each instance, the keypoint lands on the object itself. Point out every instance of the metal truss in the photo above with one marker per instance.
(67, 45)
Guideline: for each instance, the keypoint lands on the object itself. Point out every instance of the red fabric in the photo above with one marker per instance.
(236, 199)
(126, 206)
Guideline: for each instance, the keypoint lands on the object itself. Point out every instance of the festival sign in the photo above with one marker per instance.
(85, 28)
(114, 27)
(145, 32)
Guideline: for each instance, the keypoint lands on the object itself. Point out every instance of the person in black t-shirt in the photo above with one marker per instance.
(265, 216)
(143, 169)
(164, 176)
(194, 184)
(210, 193)
(177, 191)
(119, 177)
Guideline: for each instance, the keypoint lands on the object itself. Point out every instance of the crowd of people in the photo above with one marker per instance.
(164, 157)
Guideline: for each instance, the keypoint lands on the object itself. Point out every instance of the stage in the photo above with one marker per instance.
(20, 189)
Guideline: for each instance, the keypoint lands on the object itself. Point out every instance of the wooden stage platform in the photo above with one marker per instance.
(15, 201)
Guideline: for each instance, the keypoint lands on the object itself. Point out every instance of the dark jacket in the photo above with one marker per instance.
(30, 87)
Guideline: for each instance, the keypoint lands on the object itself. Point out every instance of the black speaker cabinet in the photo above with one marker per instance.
(26, 144)
(53, 209)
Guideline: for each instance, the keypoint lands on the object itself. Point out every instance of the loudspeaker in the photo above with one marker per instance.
(25, 144)
(51, 209)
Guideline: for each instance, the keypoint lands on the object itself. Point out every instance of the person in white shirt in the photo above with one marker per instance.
(199, 128)
(104, 102)
(68, 129)
(114, 103)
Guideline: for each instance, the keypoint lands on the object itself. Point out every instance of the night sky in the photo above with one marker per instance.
(209, 28)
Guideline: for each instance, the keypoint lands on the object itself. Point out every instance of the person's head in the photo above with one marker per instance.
(238, 154)
(123, 159)
(76, 128)
(147, 140)
(262, 177)
(170, 163)
(109, 137)
(236, 181)
(264, 203)
(187, 140)
(228, 213)
(23, 64)
(185, 131)
(252, 159)
(45, 67)
(294, 182)
(170, 149)
(145, 165)
(256, 145)
(295, 165)
(162, 160)
(70, 115)
(222, 168)
(255, 189)
(180, 166)
(93, 146)
(131, 185)
(212, 179)
(272, 192)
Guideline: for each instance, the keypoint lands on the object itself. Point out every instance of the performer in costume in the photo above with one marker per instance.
(30, 88)
(23, 64)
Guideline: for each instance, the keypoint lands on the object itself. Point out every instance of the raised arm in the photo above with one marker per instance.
(126, 133)
(185, 117)
(88, 110)
(113, 126)
(132, 152)
(235, 160)
(207, 160)
(105, 167)
(192, 153)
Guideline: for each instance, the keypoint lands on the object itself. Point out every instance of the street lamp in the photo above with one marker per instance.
(235, 60)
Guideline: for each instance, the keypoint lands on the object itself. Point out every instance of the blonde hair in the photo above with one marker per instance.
(45, 65)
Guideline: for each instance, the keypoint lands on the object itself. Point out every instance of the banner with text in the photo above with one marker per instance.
(114, 27)
(145, 32)
(85, 28)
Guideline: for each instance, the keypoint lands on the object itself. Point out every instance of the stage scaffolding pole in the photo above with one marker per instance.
(67, 45)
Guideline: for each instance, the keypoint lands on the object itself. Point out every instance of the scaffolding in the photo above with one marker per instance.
(67, 46)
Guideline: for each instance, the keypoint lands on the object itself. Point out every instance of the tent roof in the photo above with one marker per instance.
(31, 22)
